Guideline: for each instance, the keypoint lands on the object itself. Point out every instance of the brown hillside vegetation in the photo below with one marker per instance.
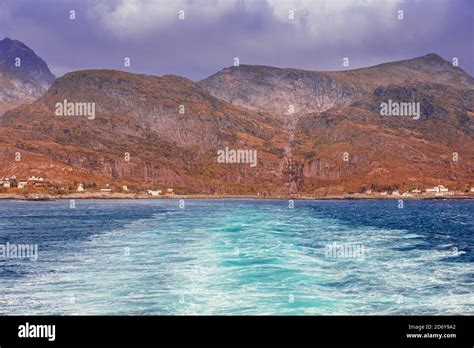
(336, 141)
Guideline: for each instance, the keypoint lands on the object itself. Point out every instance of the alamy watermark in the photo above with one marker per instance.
(19, 251)
(237, 156)
(345, 250)
(391, 108)
(66, 108)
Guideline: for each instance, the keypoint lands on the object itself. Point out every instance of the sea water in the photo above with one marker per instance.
(236, 256)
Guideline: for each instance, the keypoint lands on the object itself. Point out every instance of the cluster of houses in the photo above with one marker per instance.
(439, 190)
(168, 192)
(39, 182)
(107, 189)
(32, 181)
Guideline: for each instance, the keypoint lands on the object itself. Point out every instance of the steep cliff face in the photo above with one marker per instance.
(278, 91)
(337, 137)
(336, 140)
(275, 89)
(171, 107)
(360, 148)
(170, 129)
(23, 75)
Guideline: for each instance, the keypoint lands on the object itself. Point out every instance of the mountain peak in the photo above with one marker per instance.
(433, 57)
(433, 63)
(8, 41)
(23, 75)
(31, 68)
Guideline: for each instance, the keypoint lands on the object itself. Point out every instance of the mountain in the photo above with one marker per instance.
(389, 152)
(337, 113)
(274, 89)
(139, 115)
(23, 75)
(172, 128)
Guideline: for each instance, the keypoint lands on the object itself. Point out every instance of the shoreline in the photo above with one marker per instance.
(134, 196)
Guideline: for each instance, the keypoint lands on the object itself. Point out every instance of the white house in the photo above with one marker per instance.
(35, 179)
(154, 193)
(395, 193)
(80, 188)
(22, 184)
(438, 189)
(416, 191)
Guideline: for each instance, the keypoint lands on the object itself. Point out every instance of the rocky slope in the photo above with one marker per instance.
(23, 75)
(338, 114)
(336, 141)
(388, 152)
(140, 115)
(275, 89)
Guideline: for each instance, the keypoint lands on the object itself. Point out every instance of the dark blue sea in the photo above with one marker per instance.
(233, 256)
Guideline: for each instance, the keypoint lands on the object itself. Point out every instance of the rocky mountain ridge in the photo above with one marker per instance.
(23, 75)
(166, 131)
(274, 90)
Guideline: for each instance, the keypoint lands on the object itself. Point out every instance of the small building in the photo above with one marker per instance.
(368, 192)
(154, 193)
(36, 181)
(80, 188)
(169, 191)
(105, 190)
(125, 188)
(472, 189)
(22, 184)
(395, 193)
(438, 189)
(6, 183)
(416, 191)
(407, 194)
(384, 193)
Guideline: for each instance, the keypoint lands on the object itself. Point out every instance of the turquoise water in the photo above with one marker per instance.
(229, 257)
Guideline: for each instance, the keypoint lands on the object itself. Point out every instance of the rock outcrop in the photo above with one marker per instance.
(23, 75)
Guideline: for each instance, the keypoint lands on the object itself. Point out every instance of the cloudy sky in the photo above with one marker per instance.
(213, 32)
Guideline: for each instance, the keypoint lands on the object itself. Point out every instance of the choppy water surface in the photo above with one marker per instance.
(239, 257)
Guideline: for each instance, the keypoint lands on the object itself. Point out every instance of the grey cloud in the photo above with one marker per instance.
(255, 31)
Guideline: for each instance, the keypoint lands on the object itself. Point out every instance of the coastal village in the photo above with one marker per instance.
(41, 185)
